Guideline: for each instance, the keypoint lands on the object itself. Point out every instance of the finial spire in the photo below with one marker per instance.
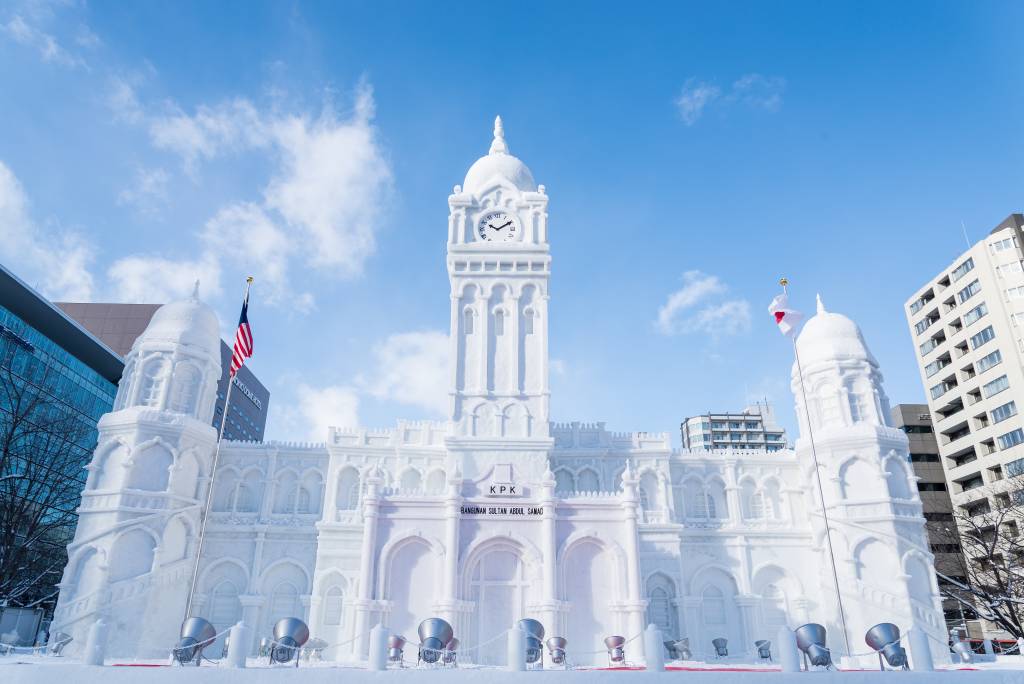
(195, 290)
(821, 306)
(498, 145)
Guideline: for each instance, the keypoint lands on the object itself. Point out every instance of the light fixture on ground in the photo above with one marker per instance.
(556, 649)
(884, 638)
(683, 649)
(450, 651)
(670, 648)
(314, 650)
(396, 649)
(534, 640)
(57, 642)
(290, 634)
(721, 645)
(196, 634)
(764, 649)
(434, 634)
(810, 639)
(616, 649)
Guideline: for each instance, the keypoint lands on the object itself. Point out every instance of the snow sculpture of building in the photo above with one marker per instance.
(497, 513)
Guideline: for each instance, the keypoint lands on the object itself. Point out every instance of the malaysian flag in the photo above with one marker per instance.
(243, 338)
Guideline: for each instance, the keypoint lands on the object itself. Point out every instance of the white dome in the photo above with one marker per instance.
(830, 336)
(498, 165)
(187, 322)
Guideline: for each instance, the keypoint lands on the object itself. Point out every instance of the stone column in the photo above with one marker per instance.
(549, 549)
(251, 604)
(368, 552)
(448, 604)
(634, 604)
(747, 605)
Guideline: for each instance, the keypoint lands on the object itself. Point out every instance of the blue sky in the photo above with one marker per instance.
(692, 153)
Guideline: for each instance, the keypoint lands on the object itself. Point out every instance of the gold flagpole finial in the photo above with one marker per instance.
(249, 279)
(783, 281)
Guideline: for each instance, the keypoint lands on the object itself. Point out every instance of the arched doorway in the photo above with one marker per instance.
(497, 586)
(590, 588)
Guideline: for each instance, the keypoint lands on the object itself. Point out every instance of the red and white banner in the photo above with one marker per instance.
(786, 318)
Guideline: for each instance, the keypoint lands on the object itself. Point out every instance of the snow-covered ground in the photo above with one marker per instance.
(42, 670)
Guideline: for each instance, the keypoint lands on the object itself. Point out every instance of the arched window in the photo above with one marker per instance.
(858, 406)
(334, 601)
(244, 502)
(435, 482)
(699, 505)
(587, 481)
(410, 481)
(564, 482)
(528, 316)
(774, 605)
(661, 595)
(185, 390)
(499, 321)
(303, 503)
(348, 490)
(467, 320)
(713, 606)
(154, 376)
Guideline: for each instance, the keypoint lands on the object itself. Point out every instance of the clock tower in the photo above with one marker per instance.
(498, 265)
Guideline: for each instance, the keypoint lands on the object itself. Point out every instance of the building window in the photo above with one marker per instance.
(1011, 438)
(1002, 245)
(924, 458)
(974, 314)
(499, 322)
(986, 362)
(467, 321)
(969, 291)
(1015, 292)
(963, 269)
(931, 486)
(982, 337)
(1001, 413)
(153, 380)
(333, 603)
(996, 386)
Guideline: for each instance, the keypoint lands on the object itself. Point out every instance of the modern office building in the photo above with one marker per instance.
(56, 380)
(118, 325)
(966, 324)
(753, 428)
(916, 422)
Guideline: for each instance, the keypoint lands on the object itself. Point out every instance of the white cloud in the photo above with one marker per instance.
(696, 287)
(124, 102)
(677, 316)
(764, 92)
(45, 44)
(232, 125)
(55, 262)
(148, 193)
(557, 366)
(317, 408)
(753, 90)
(695, 96)
(412, 368)
(156, 279)
(332, 185)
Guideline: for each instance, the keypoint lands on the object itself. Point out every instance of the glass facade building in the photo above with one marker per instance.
(56, 381)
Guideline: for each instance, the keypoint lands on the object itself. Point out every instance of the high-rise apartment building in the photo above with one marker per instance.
(968, 329)
(119, 324)
(753, 428)
(943, 539)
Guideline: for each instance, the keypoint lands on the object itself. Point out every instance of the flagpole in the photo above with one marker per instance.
(205, 513)
(821, 492)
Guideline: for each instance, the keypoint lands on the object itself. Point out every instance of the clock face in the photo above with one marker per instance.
(497, 226)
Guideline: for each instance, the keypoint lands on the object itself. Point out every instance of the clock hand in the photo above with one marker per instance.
(502, 226)
(492, 227)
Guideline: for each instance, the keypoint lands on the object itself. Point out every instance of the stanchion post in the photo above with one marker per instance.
(516, 649)
(789, 654)
(96, 643)
(654, 649)
(1020, 647)
(238, 643)
(378, 661)
(987, 644)
(920, 651)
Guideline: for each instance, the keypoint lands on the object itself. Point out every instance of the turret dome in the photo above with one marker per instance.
(830, 336)
(498, 165)
(187, 322)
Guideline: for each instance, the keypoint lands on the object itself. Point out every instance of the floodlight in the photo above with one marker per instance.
(314, 650)
(670, 647)
(434, 634)
(264, 650)
(884, 639)
(556, 648)
(57, 642)
(196, 634)
(290, 634)
(616, 650)
(764, 649)
(449, 651)
(963, 649)
(396, 644)
(683, 649)
(534, 639)
(721, 647)
(810, 639)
